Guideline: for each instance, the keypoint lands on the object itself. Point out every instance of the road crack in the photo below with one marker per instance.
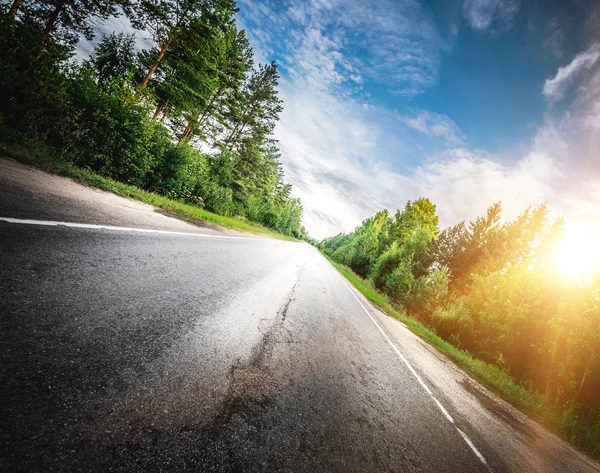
(252, 381)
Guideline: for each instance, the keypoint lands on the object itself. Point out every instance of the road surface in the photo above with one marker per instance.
(190, 349)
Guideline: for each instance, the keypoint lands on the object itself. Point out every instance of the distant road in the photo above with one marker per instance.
(182, 350)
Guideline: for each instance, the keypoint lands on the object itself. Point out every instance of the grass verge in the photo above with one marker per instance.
(50, 160)
(562, 421)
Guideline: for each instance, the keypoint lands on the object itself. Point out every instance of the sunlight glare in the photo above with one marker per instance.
(576, 256)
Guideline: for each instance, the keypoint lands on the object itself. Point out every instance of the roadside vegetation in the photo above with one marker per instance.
(185, 123)
(489, 296)
(27, 151)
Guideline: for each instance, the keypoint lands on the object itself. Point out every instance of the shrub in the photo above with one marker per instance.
(182, 172)
(452, 322)
(429, 292)
(219, 199)
(116, 137)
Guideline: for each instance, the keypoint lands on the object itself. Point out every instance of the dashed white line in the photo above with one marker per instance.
(50, 223)
(416, 375)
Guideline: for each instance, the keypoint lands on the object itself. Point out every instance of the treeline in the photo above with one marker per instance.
(190, 118)
(489, 288)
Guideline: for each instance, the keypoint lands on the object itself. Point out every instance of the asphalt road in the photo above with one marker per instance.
(128, 351)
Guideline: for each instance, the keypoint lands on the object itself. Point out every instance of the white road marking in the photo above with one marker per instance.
(443, 409)
(470, 444)
(50, 223)
(414, 373)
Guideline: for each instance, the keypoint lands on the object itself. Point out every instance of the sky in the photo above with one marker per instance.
(466, 102)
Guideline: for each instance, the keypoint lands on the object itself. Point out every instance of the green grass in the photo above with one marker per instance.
(561, 421)
(51, 160)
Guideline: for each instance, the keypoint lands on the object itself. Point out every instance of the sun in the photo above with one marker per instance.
(576, 256)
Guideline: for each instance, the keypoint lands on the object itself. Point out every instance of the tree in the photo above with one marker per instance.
(73, 17)
(113, 57)
(232, 67)
(188, 73)
(166, 20)
(258, 109)
(14, 8)
(419, 214)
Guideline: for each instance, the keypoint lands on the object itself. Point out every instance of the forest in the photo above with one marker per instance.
(491, 289)
(190, 118)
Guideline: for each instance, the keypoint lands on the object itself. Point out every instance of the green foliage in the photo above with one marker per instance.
(486, 287)
(254, 114)
(177, 23)
(114, 57)
(103, 122)
(67, 20)
(564, 420)
(182, 173)
(113, 134)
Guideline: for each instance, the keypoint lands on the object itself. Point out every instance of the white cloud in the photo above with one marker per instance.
(555, 88)
(347, 156)
(437, 125)
(119, 24)
(556, 38)
(394, 43)
(483, 14)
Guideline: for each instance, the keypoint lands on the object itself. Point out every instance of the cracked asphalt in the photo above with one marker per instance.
(133, 352)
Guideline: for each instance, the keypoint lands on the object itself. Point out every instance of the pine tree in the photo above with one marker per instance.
(167, 20)
(113, 57)
(258, 109)
(233, 65)
(72, 17)
(188, 73)
(14, 8)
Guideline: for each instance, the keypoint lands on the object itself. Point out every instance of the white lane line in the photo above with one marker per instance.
(443, 409)
(470, 444)
(414, 373)
(50, 223)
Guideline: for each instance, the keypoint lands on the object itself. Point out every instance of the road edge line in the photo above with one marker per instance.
(418, 378)
(52, 223)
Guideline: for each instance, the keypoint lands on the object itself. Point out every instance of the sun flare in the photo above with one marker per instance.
(576, 256)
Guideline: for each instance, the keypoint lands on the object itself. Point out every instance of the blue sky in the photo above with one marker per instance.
(466, 102)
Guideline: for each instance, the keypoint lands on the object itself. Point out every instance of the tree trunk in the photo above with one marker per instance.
(155, 65)
(14, 8)
(162, 119)
(236, 136)
(158, 111)
(236, 133)
(49, 27)
(186, 133)
(581, 384)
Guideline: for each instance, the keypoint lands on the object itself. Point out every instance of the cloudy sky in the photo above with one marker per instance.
(466, 102)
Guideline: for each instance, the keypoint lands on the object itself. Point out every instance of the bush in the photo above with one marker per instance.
(115, 137)
(452, 323)
(386, 264)
(429, 292)
(219, 199)
(34, 99)
(182, 172)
